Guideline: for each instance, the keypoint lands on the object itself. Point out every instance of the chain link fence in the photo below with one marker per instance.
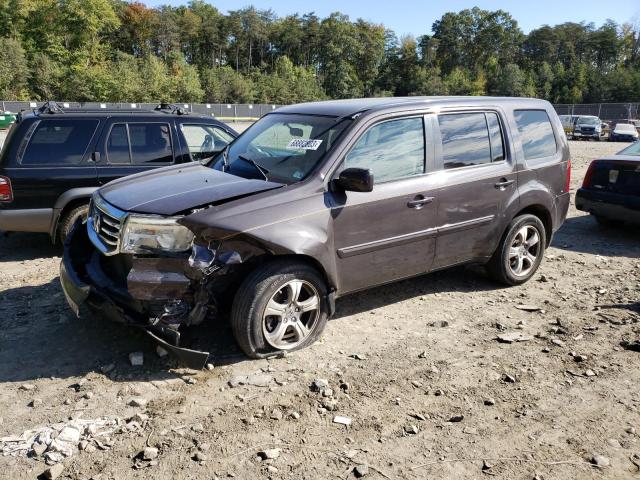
(605, 111)
(228, 112)
(247, 112)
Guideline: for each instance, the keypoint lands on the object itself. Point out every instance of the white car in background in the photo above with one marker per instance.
(624, 132)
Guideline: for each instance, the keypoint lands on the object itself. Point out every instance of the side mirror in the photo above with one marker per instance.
(355, 180)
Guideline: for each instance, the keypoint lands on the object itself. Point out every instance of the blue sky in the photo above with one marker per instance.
(416, 16)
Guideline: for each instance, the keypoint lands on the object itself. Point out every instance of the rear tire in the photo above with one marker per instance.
(67, 221)
(281, 306)
(520, 251)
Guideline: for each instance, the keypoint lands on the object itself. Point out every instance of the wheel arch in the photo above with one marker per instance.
(67, 202)
(545, 217)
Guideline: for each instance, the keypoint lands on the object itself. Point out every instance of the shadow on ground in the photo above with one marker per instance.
(583, 234)
(19, 246)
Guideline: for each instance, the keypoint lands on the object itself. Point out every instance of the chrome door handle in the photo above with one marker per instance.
(504, 183)
(419, 202)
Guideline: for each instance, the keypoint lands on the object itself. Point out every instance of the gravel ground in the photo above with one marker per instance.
(414, 365)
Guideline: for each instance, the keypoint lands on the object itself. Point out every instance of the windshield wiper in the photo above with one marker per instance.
(263, 171)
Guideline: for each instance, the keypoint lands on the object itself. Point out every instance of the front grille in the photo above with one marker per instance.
(104, 225)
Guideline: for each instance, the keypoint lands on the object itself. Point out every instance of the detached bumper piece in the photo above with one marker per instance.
(615, 206)
(153, 295)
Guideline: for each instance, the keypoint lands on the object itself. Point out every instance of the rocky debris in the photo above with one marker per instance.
(529, 308)
(633, 345)
(54, 472)
(27, 387)
(254, 380)
(358, 356)
(508, 378)
(109, 367)
(60, 440)
(630, 430)
(513, 337)
(424, 354)
(136, 359)
(149, 453)
(579, 358)
(411, 429)
(210, 367)
(269, 453)
(36, 402)
(361, 470)
(600, 461)
(439, 324)
(589, 373)
(88, 396)
(319, 385)
(456, 418)
(342, 420)
(489, 401)
(200, 457)
(138, 402)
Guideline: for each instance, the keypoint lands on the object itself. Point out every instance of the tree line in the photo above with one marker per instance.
(117, 51)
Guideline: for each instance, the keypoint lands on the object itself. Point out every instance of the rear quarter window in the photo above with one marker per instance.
(57, 142)
(536, 134)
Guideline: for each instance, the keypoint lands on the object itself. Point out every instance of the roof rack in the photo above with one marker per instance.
(171, 108)
(50, 107)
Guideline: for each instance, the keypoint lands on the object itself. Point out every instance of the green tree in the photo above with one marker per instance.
(13, 70)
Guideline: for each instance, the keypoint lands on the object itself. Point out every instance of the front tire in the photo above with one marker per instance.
(520, 251)
(69, 219)
(281, 306)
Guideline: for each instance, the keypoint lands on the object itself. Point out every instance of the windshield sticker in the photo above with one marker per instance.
(300, 143)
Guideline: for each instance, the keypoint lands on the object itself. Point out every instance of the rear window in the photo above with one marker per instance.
(58, 142)
(536, 133)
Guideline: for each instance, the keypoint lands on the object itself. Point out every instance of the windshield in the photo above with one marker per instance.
(588, 121)
(633, 149)
(283, 148)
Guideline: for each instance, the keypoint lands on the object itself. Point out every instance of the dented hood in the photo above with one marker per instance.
(170, 190)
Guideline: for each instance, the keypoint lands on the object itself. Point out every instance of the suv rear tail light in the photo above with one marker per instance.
(6, 193)
(586, 183)
(567, 182)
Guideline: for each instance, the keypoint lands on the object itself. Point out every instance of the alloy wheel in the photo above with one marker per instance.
(291, 314)
(524, 251)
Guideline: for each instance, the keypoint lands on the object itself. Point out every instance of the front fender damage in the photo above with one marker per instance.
(181, 292)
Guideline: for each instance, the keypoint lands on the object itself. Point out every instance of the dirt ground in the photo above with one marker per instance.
(415, 365)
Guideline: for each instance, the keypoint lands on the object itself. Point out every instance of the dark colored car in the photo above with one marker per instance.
(611, 188)
(318, 200)
(53, 159)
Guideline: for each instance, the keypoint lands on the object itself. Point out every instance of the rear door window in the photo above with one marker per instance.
(150, 143)
(58, 142)
(536, 133)
(465, 139)
(204, 141)
(140, 144)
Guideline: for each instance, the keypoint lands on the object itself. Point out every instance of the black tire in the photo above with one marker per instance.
(68, 219)
(500, 268)
(607, 222)
(257, 290)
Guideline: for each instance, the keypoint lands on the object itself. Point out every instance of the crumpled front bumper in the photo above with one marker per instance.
(87, 286)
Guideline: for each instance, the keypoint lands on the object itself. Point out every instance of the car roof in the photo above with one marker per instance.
(343, 108)
(78, 113)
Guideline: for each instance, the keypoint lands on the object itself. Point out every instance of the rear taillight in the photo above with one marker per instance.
(567, 181)
(586, 183)
(6, 194)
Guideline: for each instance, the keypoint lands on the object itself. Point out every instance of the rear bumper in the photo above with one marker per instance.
(87, 287)
(623, 208)
(26, 220)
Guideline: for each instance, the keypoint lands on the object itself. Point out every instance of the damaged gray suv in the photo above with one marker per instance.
(315, 201)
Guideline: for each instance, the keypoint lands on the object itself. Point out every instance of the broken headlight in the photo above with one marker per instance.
(143, 234)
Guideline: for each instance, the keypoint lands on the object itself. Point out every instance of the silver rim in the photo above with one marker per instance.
(524, 251)
(291, 314)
